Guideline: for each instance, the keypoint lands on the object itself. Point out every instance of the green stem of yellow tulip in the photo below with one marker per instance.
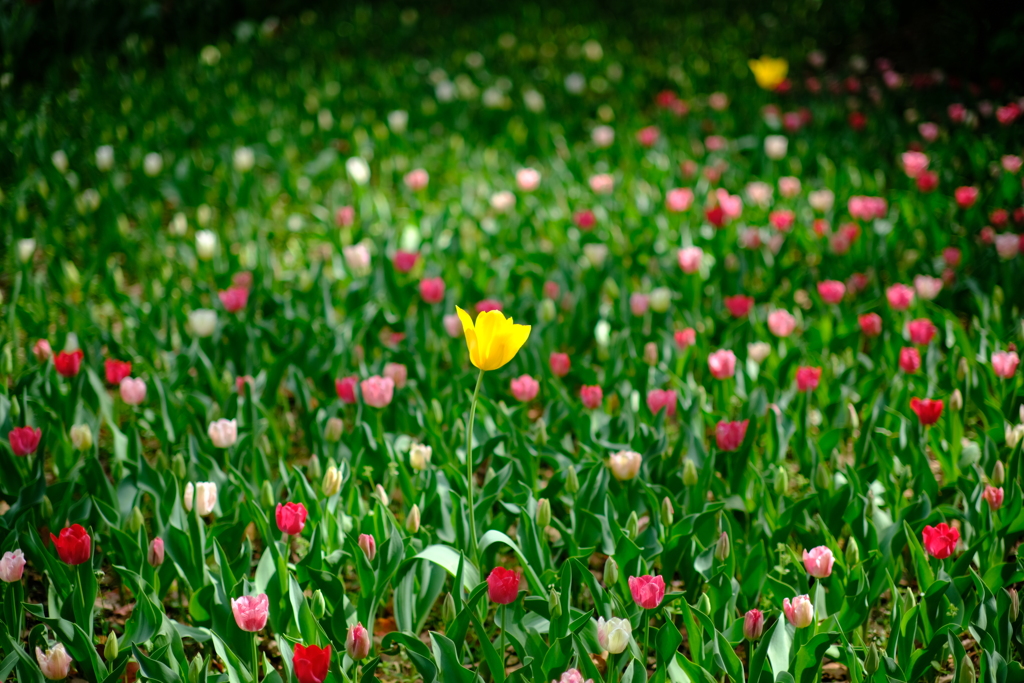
(469, 467)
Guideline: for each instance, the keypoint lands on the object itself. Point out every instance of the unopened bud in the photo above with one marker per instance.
(317, 605)
(448, 609)
(380, 494)
(110, 649)
(267, 494)
(313, 471)
(47, 506)
(822, 477)
(572, 481)
(998, 474)
(81, 437)
(178, 466)
(632, 526)
(611, 572)
(961, 369)
(966, 670)
(689, 473)
(547, 310)
(412, 521)
(543, 513)
(651, 353)
(136, 520)
(956, 401)
(1014, 605)
(15, 406)
(704, 604)
(854, 417)
(333, 429)
(331, 483)
(554, 603)
(195, 668)
(722, 548)
(781, 480)
(668, 513)
(852, 552)
(872, 660)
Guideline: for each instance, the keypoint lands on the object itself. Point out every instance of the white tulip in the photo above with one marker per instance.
(419, 456)
(206, 244)
(614, 634)
(398, 121)
(60, 160)
(223, 433)
(821, 200)
(244, 159)
(26, 248)
(775, 146)
(104, 157)
(358, 170)
(203, 322)
(203, 494)
(152, 164)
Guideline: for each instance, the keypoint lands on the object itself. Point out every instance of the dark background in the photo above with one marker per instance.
(976, 41)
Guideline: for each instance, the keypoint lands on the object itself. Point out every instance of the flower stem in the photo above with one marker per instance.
(469, 467)
(255, 660)
(647, 639)
(501, 641)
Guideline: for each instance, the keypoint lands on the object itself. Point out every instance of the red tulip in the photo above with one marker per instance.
(715, 216)
(928, 410)
(503, 586)
(952, 256)
(345, 216)
(311, 663)
(116, 370)
(432, 290)
(927, 181)
(831, 291)
(729, 435)
(940, 540)
(584, 220)
(921, 331)
(488, 305)
(405, 260)
(910, 360)
(24, 440)
(870, 324)
(234, 299)
(74, 545)
(291, 518)
(993, 496)
(782, 220)
(807, 378)
(68, 364)
(591, 396)
(560, 364)
(965, 196)
(662, 398)
(685, 338)
(739, 306)
(648, 591)
(648, 136)
(346, 388)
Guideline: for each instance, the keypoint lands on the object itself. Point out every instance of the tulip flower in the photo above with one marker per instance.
(900, 296)
(739, 306)
(940, 540)
(769, 72)
(55, 663)
(493, 340)
(994, 497)
(42, 350)
(368, 545)
(928, 411)
(81, 437)
(685, 338)
(560, 364)
(203, 322)
(223, 433)
(781, 323)
(357, 642)
(1004, 364)
(291, 518)
(831, 291)
(24, 440)
(729, 436)
(799, 612)
(722, 364)
(251, 612)
(807, 378)
(966, 196)
(377, 391)
(818, 562)
(12, 566)
(647, 591)
(503, 586)
(203, 494)
(613, 635)
(419, 456)
(870, 324)
(690, 259)
(524, 388)
(910, 360)
(662, 398)
(625, 465)
(591, 396)
(74, 545)
(753, 624)
(527, 179)
(234, 299)
(397, 373)
(133, 390)
(311, 663)
(572, 676)
(432, 290)
(679, 199)
(416, 179)
(346, 388)
(639, 303)
(921, 331)
(155, 555)
(68, 364)
(116, 370)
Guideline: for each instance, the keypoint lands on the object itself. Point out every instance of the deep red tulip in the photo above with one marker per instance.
(807, 378)
(74, 545)
(503, 585)
(116, 370)
(432, 290)
(68, 364)
(729, 436)
(940, 540)
(870, 324)
(584, 220)
(24, 440)
(311, 663)
(715, 216)
(405, 260)
(291, 518)
(739, 306)
(928, 410)
(346, 388)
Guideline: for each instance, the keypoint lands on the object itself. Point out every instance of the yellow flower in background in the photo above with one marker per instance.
(769, 72)
(494, 340)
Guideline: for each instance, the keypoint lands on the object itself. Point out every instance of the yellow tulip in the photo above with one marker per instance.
(769, 72)
(494, 340)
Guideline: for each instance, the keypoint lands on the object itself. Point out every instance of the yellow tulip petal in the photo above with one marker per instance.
(514, 341)
(471, 338)
(488, 326)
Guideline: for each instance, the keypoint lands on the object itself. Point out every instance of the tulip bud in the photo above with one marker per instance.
(317, 605)
(331, 483)
(572, 481)
(611, 572)
(722, 547)
(668, 513)
(368, 545)
(357, 643)
(753, 624)
(547, 310)
(15, 406)
(47, 506)
(781, 480)
(380, 494)
(872, 659)
(660, 299)
(651, 353)
(822, 477)
(110, 649)
(998, 474)
(543, 517)
(313, 470)
(632, 526)
(178, 466)
(448, 609)
(1014, 604)
(704, 603)
(333, 429)
(956, 401)
(136, 520)
(195, 668)
(689, 473)
(961, 369)
(266, 494)
(966, 670)
(412, 521)
(554, 603)
(155, 555)
(81, 437)
(852, 552)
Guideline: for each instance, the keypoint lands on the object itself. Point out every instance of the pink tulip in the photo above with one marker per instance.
(685, 338)
(453, 326)
(914, 163)
(42, 351)
(900, 296)
(722, 364)
(405, 260)
(731, 205)
(799, 612)
(368, 545)
(789, 186)
(662, 398)
(927, 287)
(994, 497)
(807, 378)
(560, 364)
(729, 436)
(1004, 363)
(432, 290)
(133, 391)
(910, 360)
(591, 396)
(155, 555)
(818, 562)
(648, 591)
(679, 199)
(831, 291)
(690, 259)
(870, 324)
(345, 217)
(525, 388)
(639, 303)
(921, 331)
(602, 183)
(781, 323)
(1011, 163)
(648, 136)
(416, 179)
(377, 391)
(527, 179)
(965, 196)
(251, 612)
(234, 299)
(12, 566)
(357, 642)
(397, 373)
(929, 131)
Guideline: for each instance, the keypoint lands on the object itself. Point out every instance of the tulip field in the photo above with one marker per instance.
(331, 353)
